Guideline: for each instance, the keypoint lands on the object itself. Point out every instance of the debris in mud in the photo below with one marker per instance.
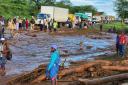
(31, 34)
(100, 36)
(34, 35)
(26, 78)
(101, 81)
(89, 47)
(89, 70)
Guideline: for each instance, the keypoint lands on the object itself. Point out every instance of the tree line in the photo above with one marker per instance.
(121, 7)
(32, 7)
(29, 8)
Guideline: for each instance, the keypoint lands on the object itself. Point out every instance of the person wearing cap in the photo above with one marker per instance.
(53, 66)
(2, 57)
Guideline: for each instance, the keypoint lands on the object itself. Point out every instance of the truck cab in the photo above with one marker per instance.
(41, 16)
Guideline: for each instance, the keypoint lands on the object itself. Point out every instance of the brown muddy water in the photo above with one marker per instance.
(29, 52)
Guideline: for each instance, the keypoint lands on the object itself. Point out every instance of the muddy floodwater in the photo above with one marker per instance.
(29, 52)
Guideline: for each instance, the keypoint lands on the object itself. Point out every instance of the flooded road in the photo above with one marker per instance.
(29, 52)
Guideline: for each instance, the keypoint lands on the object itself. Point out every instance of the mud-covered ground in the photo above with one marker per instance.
(31, 49)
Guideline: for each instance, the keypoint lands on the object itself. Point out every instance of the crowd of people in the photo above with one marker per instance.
(79, 24)
(52, 25)
(18, 24)
(24, 24)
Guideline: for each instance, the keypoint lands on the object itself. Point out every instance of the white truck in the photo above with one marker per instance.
(51, 12)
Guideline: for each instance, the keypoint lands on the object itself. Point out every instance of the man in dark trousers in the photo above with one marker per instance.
(101, 27)
(117, 44)
(122, 42)
(2, 57)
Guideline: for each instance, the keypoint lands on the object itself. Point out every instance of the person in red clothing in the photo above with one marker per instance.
(122, 43)
(27, 24)
(127, 40)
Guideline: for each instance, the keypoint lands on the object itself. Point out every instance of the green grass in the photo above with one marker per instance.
(117, 25)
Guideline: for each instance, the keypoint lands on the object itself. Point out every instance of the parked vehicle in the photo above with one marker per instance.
(82, 16)
(56, 13)
(41, 16)
(126, 21)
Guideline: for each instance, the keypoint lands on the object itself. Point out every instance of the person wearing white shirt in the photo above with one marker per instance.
(2, 27)
(3, 59)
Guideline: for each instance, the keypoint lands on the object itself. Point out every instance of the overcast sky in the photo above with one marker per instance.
(106, 6)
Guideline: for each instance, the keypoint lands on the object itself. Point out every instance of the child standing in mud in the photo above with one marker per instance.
(53, 66)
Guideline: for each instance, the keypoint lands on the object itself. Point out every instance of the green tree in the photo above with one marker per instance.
(35, 5)
(122, 8)
(48, 2)
(66, 2)
(61, 4)
(32, 7)
(83, 9)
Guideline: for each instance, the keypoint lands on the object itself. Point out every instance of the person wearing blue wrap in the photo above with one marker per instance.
(53, 66)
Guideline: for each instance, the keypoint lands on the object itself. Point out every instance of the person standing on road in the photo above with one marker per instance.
(117, 44)
(53, 66)
(122, 42)
(101, 27)
(11, 27)
(3, 59)
(55, 26)
(23, 24)
(2, 22)
(26, 24)
(41, 24)
(46, 25)
(20, 24)
(32, 22)
(17, 25)
(50, 24)
(0, 31)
